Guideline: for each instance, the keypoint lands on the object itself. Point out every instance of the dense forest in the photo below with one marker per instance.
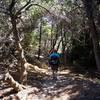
(29, 29)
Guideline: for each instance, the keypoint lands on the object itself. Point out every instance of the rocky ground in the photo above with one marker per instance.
(67, 86)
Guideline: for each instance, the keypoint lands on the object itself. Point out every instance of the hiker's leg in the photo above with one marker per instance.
(55, 70)
(49, 69)
(56, 73)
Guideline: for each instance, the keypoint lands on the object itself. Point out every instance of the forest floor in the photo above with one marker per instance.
(67, 86)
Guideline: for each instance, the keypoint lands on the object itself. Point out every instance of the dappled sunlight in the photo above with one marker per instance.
(65, 87)
(64, 72)
(44, 87)
(49, 50)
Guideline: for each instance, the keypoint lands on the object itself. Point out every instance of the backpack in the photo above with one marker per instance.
(54, 58)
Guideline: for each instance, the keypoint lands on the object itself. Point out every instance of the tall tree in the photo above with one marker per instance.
(10, 9)
(88, 4)
(20, 51)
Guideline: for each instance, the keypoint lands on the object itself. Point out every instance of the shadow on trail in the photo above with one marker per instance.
(67, 87)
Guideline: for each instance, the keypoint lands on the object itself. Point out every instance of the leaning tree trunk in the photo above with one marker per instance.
(22, 60)
(94, 34)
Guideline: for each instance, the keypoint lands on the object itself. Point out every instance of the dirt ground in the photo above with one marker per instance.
(67, 86)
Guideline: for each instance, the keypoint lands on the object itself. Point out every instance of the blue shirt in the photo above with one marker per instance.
(54, 55)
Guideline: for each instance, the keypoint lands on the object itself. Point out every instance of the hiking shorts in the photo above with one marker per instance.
(54, 65)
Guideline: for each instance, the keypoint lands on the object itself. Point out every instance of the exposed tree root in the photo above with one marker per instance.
(25, 94)
(16, 86)
(37, 69)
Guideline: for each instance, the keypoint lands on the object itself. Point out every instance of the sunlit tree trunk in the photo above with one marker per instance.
(20, 51)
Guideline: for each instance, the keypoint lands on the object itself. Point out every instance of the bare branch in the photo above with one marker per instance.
(19, 12)
(38, 6)
(51, 13)
(27, 8)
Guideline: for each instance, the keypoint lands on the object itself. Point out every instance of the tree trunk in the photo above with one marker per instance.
(59, 44)
(39, 50)
(22, 60)
(63, 43)
(52, 36)
(54, 41)
(94, 34)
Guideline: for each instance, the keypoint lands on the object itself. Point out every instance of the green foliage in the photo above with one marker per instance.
(47, 1)
(47, 30)
(81, 53)
(78, 41)
(68, 3)
(30, 41)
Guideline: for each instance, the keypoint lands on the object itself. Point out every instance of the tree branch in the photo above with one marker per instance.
(38, 6)
(28, 6)
(51, 13)
(19, 11)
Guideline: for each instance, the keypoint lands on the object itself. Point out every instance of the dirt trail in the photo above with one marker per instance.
(66, 87)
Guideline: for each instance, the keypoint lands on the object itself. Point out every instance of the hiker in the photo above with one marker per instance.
(54, 61)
